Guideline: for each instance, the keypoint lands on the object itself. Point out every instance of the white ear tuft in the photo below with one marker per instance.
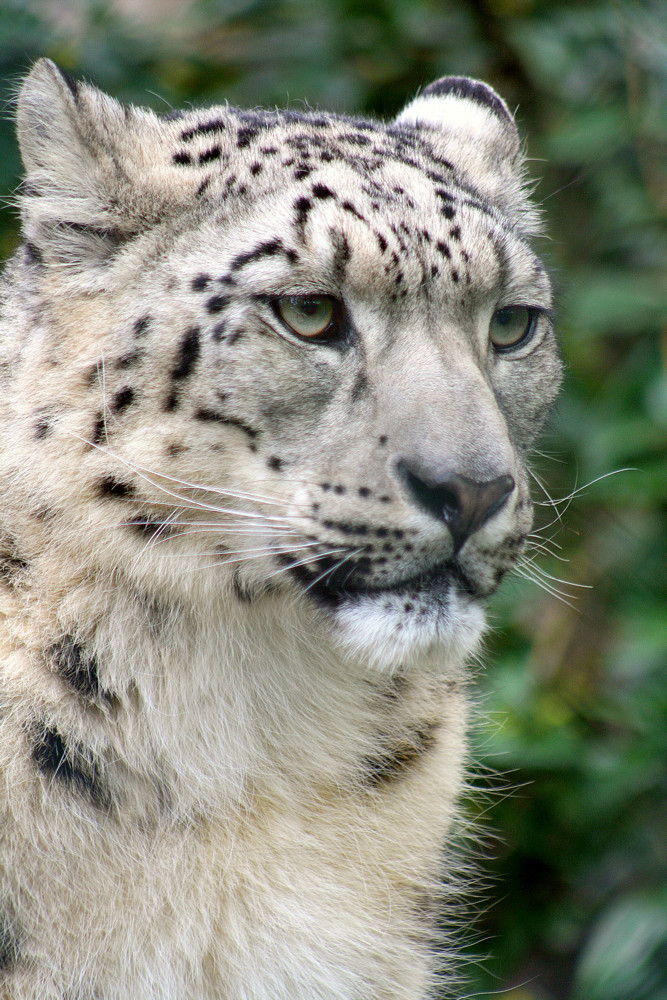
(472, 127)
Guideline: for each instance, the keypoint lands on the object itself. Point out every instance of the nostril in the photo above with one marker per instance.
(448, 502)
(463, 504)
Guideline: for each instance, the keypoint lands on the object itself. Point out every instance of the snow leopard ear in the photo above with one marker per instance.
(472, 127)
(93, 168)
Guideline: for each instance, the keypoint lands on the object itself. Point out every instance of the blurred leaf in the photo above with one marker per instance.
(625, 957)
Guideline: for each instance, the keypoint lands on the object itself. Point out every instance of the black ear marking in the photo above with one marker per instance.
(71, 83)
(472, 90)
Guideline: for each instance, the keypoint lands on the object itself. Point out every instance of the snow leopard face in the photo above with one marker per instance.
(283, 356)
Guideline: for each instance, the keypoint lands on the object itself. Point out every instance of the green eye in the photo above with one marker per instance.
(511, 325)
(307, 315)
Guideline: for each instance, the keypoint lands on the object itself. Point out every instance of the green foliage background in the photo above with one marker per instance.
(575, 691)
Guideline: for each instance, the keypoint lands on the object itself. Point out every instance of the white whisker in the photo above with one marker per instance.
(332, 569)
(303, 562)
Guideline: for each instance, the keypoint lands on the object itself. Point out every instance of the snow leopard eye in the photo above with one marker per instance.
(308, 315)
(511, 326)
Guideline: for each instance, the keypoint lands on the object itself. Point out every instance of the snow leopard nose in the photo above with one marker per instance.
(464, 504)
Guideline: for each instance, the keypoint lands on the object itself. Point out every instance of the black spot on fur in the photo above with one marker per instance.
(128, 360)
(42, 428)
(302, 172)
(443, 249)
(182, 158)
(80, 671)
(322, 191)
(359, 388)
(213, 153)
(69, 765)
(245, 136)
(200, 282)
(399, 758)
(9, 947)
(12, 567)
(347, 528)
(217, 303)
(214, 125)
(241, 591)
(148, 528)
(358, 140)
(122, 399)
(99, 430)
(33, 255)
(302, 207)
(455, 232)
(274, 462)
(382, 243)
(140, 326)
(188, 355)
(115, 488)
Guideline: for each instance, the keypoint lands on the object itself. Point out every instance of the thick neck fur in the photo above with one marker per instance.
(207, 699)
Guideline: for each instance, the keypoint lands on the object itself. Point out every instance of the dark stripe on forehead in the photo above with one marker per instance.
(341, 255)
(267, 249)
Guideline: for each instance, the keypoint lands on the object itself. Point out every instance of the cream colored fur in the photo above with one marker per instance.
(234, 645)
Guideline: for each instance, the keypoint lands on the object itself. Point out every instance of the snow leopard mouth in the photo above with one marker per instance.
(339, 585)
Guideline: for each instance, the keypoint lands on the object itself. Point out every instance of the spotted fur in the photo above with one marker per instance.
(242, 572)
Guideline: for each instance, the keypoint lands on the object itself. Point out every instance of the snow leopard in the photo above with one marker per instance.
(269, 385)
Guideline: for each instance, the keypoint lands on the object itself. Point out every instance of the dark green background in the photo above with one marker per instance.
(573, 842)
